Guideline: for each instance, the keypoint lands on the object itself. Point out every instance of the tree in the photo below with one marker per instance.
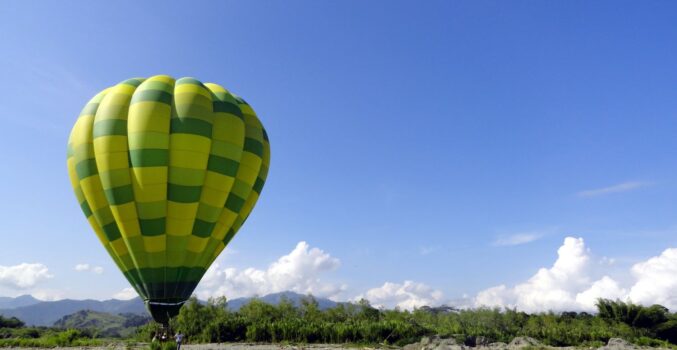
(192, 319)
(649, 317)
(257, 311)
(366, 311)
(632, 314)
(11, 322)
(310, 309)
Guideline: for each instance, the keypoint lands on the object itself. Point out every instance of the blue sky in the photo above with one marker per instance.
(452, 144)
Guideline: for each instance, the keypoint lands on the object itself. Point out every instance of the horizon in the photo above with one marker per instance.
(478, 153)
(286, 294)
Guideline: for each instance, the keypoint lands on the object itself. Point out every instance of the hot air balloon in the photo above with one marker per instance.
(166, 172)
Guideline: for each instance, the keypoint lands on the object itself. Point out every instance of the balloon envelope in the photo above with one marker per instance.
(166, 172)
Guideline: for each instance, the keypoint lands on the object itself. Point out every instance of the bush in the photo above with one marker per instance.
(155, 345)
(11, 322)
(667, 331)
(27, 333)
(51, 339)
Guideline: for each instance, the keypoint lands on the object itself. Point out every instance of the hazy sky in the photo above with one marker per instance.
(421, 152)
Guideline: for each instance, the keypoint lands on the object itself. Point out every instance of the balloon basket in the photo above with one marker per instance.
(163, 334)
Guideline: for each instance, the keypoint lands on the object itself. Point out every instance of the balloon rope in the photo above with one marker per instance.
(159, 303)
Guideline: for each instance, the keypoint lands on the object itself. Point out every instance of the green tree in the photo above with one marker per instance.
(11, 322)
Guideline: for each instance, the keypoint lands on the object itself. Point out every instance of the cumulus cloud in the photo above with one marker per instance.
(606, 288)
(86, 267)
(407, 295)
(571, 283)
(24, 275)
(656, 280)
(622, 187)
(549, 288)
(298, 271)
(125, 294)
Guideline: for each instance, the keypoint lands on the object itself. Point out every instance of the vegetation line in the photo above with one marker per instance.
(361, 323)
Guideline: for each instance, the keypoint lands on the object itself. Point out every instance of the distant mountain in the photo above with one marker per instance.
(103, 323)
(46, 313)
(275, 299)
(11, 303)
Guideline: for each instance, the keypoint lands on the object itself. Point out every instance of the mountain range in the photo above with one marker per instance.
(103, 324)
(11, 303)
(45, 313)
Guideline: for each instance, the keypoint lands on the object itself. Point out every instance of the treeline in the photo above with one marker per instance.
(44, 337)
(656, 320)
(10, 322)
(14, 333)
(361, 323)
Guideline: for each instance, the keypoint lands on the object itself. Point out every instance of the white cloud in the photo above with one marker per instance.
(517, 239)
(570, 284)
(549, 288)
(24, 275)
(48, 294)
(656, 280)
(125, 294)
(408, 295)
(622, 187)
(496, 296)
(606, 288)
(298, 271)
(86, 267)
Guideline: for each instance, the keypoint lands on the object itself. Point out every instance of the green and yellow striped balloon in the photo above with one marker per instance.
(166, 172)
